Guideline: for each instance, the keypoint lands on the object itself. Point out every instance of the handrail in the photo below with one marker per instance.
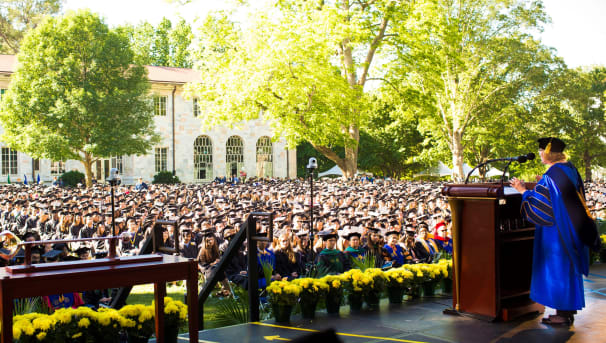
(111, 251)
(248, 231)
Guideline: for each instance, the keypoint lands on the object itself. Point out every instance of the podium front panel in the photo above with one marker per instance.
(478, 260)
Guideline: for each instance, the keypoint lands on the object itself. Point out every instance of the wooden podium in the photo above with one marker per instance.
(492, 258)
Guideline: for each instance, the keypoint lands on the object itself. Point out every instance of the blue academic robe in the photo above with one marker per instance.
(559, 258)
(397, 256)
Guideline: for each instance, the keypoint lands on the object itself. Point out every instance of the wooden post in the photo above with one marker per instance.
(192, 301)
(6, 315)
(159, 294)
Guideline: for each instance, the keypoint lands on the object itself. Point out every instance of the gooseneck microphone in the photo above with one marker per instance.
(519, 159)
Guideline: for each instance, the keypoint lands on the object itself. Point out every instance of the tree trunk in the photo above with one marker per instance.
(88, 168)
(457, 156)
(351, 153)
(587, 161)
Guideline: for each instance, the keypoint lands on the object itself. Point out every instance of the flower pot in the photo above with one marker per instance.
(372, 299)
(282, 313)
(171, 333)
(429, 289)
(355, 301)
(333, 304)
(308, 309)
(395, 294)
(447, 286)
(137, 339)
(414, 292)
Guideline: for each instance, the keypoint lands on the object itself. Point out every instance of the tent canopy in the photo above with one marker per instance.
(440, 170)
(337, 171)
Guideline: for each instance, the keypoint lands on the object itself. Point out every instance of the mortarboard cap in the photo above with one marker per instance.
(557, 145)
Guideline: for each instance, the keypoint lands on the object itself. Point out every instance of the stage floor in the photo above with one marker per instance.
(423, 321)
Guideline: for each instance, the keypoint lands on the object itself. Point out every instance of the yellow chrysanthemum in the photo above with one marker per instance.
(84, 323)
(16, 332)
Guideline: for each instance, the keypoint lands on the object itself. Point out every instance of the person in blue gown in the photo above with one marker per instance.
(560, 258)
(394, 254)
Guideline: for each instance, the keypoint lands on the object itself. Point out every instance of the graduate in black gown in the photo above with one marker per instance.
(288, 262)
(330, 257)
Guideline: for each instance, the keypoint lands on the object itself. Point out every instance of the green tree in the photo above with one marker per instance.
(19, 16)
(164, 45)
(390, 143)
(574, 108)
(468, 56)
(301, 65)
(80, 101)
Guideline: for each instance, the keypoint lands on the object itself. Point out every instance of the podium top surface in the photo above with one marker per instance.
(481, 190)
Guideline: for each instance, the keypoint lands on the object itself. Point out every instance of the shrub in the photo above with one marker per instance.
(72, 178)
(165, 177)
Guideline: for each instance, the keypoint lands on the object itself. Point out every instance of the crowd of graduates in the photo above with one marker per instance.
(394, 223)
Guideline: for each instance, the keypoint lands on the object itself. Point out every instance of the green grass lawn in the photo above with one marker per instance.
(144, 294)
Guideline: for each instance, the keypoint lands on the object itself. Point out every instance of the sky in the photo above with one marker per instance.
(576, 30)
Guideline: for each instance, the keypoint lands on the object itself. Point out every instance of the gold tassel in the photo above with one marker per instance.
(548, 148)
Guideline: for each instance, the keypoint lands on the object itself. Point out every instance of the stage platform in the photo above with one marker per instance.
(423, 321)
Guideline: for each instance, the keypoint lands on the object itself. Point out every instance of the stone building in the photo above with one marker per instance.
(194, 155)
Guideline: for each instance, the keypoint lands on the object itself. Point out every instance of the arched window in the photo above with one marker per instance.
(203, 159)
(265, 159)
(234, 156)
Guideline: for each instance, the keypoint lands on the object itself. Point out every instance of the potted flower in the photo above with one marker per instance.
(446, 266)
(283, 295)
(334, 294)
(34, 327)
(414, 290)
(397, 281)
(432, 274)
(311, 291)
(72, 325)
(356, 284)
(175, 317)
(143, 316)
(108, 325)
(372, 294)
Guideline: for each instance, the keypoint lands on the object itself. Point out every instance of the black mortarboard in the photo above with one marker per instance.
(391, 232)
(353, 233)
(327, 234)
(557, 145)
(53, 254)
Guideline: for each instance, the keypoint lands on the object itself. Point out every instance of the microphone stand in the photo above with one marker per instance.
(476, 167)
(505, 171)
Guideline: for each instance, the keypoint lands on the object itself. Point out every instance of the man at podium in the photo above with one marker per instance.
(560, 258)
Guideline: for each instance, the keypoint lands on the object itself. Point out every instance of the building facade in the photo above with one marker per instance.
(193, 154)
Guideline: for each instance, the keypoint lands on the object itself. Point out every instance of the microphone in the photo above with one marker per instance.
(519, 159)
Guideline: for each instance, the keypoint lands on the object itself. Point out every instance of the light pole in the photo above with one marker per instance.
(113, 180)
(311, 166)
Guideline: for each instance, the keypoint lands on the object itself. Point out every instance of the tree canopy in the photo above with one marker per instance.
(474, 60)
(303, 64)
(19, 16)
(79, 101)
(165, 45)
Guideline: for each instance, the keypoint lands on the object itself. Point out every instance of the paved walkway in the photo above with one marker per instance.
(423, 322)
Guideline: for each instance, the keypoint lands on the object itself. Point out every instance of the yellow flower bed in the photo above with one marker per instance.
(83, 324)
(355, 280)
